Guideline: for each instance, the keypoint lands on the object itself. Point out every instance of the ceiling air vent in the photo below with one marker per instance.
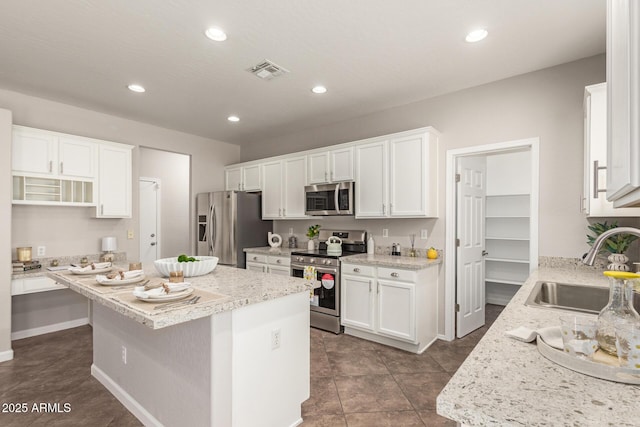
(267, 70)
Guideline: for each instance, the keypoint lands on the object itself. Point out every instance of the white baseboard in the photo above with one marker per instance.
(125, 398)
(17, 335)
(6, 355)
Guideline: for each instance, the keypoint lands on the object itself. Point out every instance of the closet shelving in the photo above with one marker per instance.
(507, 241)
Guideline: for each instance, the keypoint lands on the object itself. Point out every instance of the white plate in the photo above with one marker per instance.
(173, 296)
(114, 282)
(96, 271)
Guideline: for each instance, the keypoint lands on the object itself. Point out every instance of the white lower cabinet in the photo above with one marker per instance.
(268, 264)
(32, 285)
(392, 306)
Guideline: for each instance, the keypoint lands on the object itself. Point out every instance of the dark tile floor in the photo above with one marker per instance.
(353, 382)
(360, 383)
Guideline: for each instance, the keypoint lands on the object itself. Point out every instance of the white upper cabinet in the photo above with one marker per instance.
(33, 151)
(243, 178)
(38, 152)
(397, 177)
(371, 179)
(233, 178)
(114, 181)
(595, 203)
(623, 103)
(283, 184)
(76, 158)
(330, 166)
(413, 174)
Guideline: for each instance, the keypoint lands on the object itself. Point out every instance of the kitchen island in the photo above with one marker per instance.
(238, 357)
(504, 382)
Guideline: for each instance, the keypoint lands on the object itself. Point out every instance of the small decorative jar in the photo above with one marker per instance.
(618, 262)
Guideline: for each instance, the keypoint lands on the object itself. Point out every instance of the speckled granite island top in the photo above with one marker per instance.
(504, 382)
(410, 263)
(226, 288)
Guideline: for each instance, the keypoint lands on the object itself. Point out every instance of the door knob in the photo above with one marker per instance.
(153, 243)
(485, 253)
(152, 235)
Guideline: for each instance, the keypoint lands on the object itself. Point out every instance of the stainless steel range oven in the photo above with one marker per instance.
(325, 303)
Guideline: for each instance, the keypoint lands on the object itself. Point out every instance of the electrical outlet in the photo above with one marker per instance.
(130, 234)
(385, 232)
(275, 339)
(291, 230)
(423, 234)
(124, 355)
(42, 250)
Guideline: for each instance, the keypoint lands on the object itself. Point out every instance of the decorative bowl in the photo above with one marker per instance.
(204, 265)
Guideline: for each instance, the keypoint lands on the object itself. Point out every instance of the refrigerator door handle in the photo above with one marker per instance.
(212, 224)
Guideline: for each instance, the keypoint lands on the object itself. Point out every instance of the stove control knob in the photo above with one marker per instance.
(326, 261)
(312, 260)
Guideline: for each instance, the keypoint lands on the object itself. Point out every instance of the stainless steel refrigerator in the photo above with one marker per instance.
(228, 222)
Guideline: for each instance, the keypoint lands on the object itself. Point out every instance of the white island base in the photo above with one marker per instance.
(220, 370)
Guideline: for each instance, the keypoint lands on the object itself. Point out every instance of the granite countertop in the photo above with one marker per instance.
(268, 250)
(508, 382)
(224, 289)
(411, 263)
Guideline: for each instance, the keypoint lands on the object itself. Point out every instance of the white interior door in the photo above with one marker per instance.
(470, 286)
(149, 219)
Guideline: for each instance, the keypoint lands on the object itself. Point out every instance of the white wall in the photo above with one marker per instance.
(5, 235)
(173, 171)
(545, 104)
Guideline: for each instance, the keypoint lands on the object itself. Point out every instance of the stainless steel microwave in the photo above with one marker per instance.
(329, 199)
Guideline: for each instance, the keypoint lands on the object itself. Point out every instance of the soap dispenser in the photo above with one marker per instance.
(371, 245)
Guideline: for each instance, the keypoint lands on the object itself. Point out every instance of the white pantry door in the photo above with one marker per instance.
(470, 287)
(149, 220)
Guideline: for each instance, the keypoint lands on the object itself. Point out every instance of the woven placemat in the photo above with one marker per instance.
(148, 308)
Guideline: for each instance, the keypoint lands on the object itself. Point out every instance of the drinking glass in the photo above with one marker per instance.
(579, 335)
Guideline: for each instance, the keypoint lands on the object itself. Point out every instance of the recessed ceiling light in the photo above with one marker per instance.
(476, 35)
(233, 118)
(136, 88)
(216, 34)
(319, 89)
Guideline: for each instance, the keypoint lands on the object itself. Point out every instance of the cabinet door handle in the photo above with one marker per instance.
(394, 274)
(378, 288)
(255, 258)
(356, 270)
(278, 261)
(369, 286)
(384, 210)
(239, 186)
(61, 168)
(596, 169)
(101, 209)
(284, 210)
(50, 165)
(325, 176)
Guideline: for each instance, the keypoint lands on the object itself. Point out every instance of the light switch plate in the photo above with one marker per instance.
(423, 234)
(130, 234)
(385, 232)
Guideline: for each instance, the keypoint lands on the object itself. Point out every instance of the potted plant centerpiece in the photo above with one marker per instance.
(615, 245)
(312, 232)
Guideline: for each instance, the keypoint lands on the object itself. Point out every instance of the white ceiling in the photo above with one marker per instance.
(371, 55)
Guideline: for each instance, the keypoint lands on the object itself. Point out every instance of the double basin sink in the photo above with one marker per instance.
(566, 296)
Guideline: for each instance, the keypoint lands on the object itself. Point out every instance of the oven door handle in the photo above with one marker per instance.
(318, 269)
